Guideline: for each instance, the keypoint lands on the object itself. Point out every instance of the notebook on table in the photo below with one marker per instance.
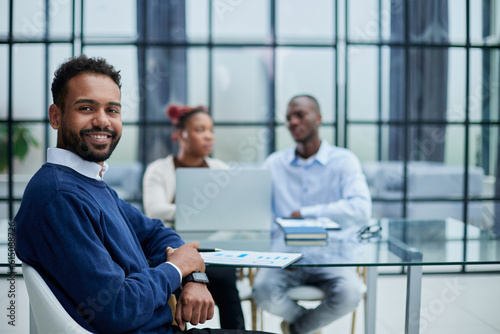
(223, 200)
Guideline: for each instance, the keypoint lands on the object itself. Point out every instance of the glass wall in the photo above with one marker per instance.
(412, 87)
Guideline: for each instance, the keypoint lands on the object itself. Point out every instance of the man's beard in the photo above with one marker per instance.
(77, 144)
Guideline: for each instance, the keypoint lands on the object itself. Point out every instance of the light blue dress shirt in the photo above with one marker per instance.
(330, 184)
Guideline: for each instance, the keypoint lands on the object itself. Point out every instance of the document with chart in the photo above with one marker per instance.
(251, 259)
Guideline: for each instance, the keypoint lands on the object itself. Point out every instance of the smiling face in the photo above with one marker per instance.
(303, 119)
(197, 137)
(90, 124)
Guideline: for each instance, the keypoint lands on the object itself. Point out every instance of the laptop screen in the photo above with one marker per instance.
(215, 199)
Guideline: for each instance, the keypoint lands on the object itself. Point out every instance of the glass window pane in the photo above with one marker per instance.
(490, 220)
(362, 84)
(197, 76)
(243, 145)
(428, 83)
(4, 209)
(159, 142)
(484, 22)
(164, 21)
(240, 84)
(483, 148)
(432, 21)
(283, 138)
(27, 165)
(437, 84)
(327, 132)
(164, 81)
(4, 78)
(58, 53)
(241, 21)
(435, 210)
(457, 24)
(4, 18)
(305, 71)
(364, 25)
(476, 21)
(124, 59)
(29, 19)
(128, 148)
(29, 80)
(362, 140)
(307, 22)
(197, 20)
(4, 153)
(455, 109)
(61, 14)
(384, 209)
(455, 134)
(484, 85)
(385, 82)
(125, 172)
(113, 18)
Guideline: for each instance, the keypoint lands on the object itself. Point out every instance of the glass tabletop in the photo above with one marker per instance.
(399, 242)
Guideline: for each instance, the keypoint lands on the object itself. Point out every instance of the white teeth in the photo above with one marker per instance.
(99, 137)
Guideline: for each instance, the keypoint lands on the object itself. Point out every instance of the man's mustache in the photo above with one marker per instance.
(86, 131)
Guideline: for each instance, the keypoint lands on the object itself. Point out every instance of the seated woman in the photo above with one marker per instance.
(196, 139)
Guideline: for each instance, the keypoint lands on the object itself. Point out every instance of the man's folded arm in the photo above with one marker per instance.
(152, 235)
(75, 255)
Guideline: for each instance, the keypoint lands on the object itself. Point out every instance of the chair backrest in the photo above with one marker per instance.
(50, 316)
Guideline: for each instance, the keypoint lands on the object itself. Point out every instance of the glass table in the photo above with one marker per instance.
(400, 242)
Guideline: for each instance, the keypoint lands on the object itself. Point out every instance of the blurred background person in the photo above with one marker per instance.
(194, 134)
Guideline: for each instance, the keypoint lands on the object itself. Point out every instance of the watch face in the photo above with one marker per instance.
(200, 277)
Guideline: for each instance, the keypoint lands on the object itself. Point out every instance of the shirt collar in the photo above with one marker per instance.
(69, 159)
(321, 156)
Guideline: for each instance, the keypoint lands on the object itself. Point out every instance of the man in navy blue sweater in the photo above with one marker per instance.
(93, 249)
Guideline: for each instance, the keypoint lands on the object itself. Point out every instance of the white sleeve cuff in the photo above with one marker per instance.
(178, 270)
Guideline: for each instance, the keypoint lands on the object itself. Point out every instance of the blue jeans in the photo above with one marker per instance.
(342, 287)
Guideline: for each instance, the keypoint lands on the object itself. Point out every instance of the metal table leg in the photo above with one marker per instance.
(371, 299)
(413, 299)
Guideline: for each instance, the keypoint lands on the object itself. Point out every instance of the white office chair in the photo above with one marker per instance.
(312, 293)
(48, 313)
(306, 293)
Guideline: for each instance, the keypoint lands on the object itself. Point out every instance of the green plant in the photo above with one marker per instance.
(22, 139)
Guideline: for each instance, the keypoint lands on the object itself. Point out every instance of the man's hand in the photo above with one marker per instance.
(186, 258)
(296, 214)
(195, 305)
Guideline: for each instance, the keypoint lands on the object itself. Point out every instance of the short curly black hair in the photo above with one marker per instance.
(74, 66)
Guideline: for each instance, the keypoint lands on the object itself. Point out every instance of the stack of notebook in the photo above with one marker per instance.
(306, 232)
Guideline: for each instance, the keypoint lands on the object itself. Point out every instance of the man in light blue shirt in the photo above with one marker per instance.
(313, 179)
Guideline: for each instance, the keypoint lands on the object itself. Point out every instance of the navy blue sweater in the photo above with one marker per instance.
(92, 249)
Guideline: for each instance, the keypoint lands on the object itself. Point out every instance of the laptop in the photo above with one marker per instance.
(223, 200)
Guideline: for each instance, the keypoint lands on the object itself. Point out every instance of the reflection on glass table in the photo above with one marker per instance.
(384, 242)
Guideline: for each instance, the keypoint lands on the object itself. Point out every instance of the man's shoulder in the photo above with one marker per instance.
(332, 151)
(280, 156)
(51, 179)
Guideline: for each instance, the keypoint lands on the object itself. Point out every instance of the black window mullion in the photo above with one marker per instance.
(467, 125)
(10, 128)
(271, 146)
(346, 78)
(336, 74)
(379, 107)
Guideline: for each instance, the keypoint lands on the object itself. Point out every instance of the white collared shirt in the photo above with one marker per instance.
(69, 159)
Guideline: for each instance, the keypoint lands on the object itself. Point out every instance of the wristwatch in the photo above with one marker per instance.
(196, 277)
